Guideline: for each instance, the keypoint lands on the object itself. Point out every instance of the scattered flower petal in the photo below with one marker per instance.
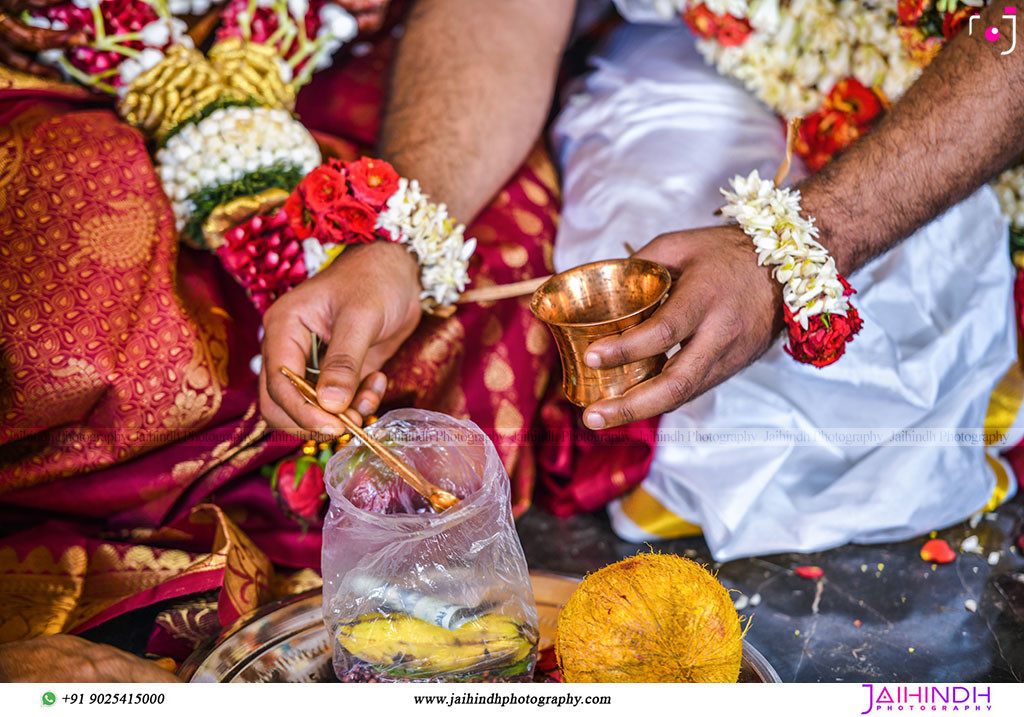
(809, 572)
(937, 551)
(971, 544)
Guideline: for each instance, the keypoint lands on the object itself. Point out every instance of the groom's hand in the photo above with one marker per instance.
(723, 308)
(363, 306)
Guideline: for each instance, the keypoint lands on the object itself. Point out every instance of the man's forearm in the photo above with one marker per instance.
(471, 90)
(955, 128)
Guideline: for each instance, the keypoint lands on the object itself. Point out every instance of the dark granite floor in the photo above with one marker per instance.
(879, 614)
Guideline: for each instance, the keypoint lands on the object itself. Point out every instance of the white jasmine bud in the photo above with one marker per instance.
(156, 33)
(150, 58)
(338, 23)
(129, 70)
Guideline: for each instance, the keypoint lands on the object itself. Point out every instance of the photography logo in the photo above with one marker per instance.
(992, 33)
(927, 698)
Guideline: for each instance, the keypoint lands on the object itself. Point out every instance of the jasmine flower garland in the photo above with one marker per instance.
(228, 150)
(817, 309)
(795, 54)
(435, 238)
(342, 203)
(836, 63)
(225, 146)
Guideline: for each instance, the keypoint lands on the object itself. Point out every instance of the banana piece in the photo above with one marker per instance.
(408, 643)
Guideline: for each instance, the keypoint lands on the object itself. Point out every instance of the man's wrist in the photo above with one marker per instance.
(435, 181)
(815, 294)
(819, 203)
(765, 283)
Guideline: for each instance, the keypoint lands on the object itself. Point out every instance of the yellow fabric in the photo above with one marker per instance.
(1004, 404)
(1002, 488)
(651, 516)
(1002, 414)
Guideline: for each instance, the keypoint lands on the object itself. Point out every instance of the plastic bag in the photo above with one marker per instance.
(412, 595)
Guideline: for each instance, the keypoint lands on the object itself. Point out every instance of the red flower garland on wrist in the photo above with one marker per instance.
(337, 204)
(819, 316)
(824, 340)
(340, 201)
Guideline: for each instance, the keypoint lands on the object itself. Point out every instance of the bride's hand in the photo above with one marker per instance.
(724, 309)
(369, 14)
(18, 41)
(363, 306)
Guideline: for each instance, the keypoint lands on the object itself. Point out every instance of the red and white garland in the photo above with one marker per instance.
(341, 203)
(244, 177)
(819, 315)
(836, 63)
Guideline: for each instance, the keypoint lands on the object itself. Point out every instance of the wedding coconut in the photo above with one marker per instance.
(650, 618)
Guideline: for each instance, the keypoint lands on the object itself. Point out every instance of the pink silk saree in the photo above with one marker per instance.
(130, 439)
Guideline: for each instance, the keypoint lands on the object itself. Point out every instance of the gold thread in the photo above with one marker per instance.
(231, 214)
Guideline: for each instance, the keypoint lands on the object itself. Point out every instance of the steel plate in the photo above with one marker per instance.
(286, 641)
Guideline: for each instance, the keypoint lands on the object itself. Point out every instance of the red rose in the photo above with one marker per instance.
(349, 221)
(850, 109)
(822, 135)
(299, 217)
(298, 483)
(824, 341)
(732, 31)
(858, 102)
(321, 188)
(910, 11)
(372, 181)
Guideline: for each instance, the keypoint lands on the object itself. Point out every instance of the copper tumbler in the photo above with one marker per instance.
(592, 301)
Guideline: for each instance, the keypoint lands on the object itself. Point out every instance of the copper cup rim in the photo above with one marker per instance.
(658, 268)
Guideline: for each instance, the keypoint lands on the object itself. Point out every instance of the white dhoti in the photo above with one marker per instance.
(645, 144)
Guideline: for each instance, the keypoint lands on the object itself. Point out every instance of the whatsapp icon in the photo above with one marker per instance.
(49, 698)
